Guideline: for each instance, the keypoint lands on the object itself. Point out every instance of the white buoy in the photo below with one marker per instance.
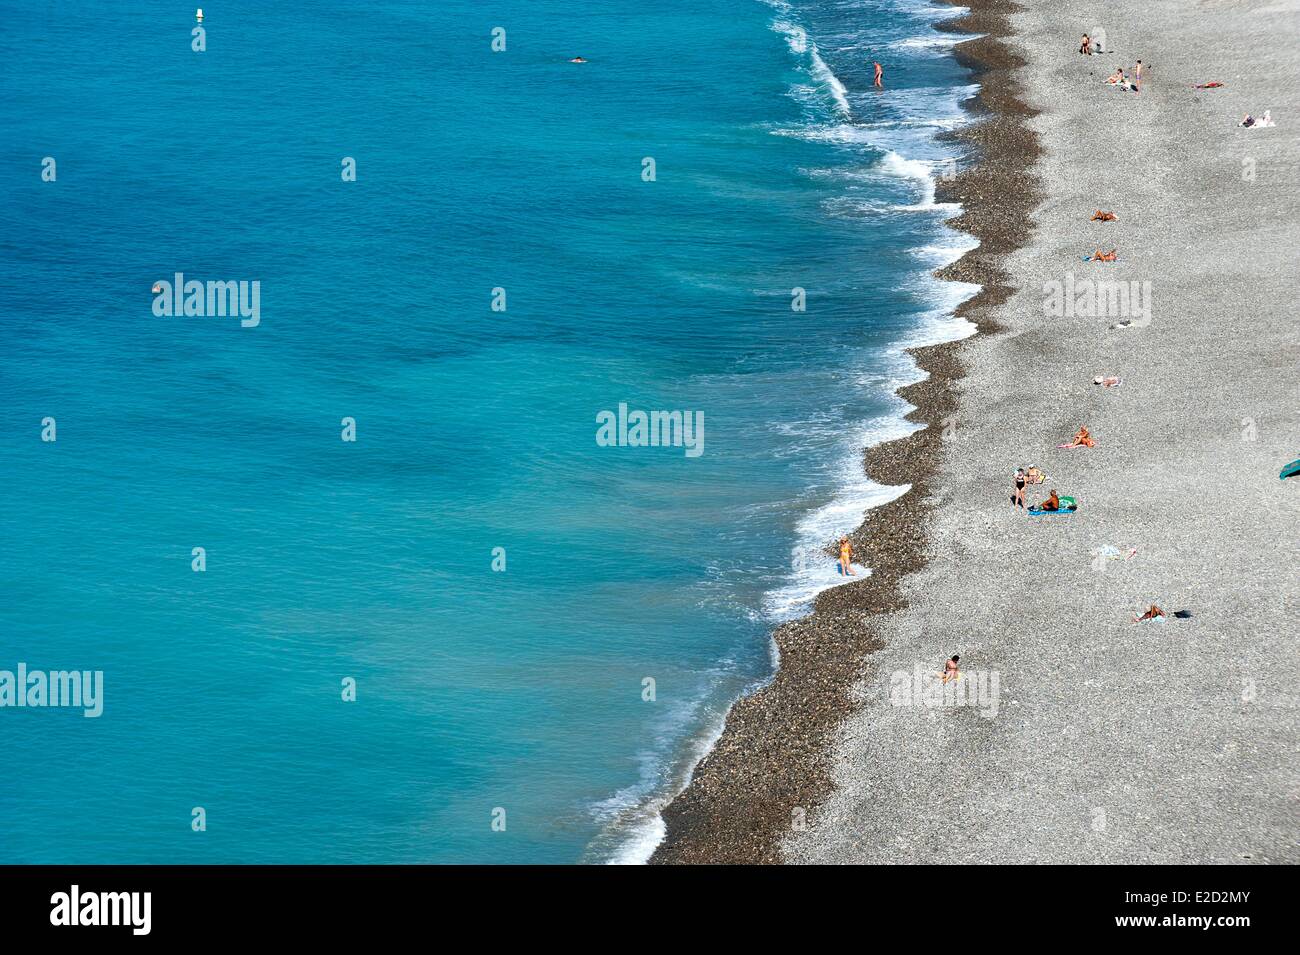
(198, 14)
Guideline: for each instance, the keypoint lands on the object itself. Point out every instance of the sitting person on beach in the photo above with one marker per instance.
(951, 671)
(1035, 475)
(1053, 502)
(1154, 613)
(1100, 216)
(1247, 121)
(846, 558)
(1107, 382)
(1116, 78)
(1082, 439)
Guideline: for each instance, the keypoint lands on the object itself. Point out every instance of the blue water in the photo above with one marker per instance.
(777, 167)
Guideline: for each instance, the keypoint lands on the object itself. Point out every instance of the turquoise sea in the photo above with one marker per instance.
(517, 692)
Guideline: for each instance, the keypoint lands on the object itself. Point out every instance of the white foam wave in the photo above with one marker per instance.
(796, 37)
(946, 251)
(941, 42)
(894, 164)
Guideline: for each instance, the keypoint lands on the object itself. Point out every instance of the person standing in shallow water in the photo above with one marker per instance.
(880, 75)
(846, 558)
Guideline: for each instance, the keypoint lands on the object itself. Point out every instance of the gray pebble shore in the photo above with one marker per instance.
(1109, 741)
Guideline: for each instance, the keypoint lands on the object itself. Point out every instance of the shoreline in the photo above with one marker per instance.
(773, 763)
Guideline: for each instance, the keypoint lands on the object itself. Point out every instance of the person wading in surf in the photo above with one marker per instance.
(846, 558)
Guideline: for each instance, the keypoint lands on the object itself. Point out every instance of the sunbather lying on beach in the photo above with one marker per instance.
(846, 558)
(1082, 439)
(1100, 216)
(951, 671)
(1154, 613)
(1100, 256)
(1207, 86)
(1108, 382)
(1111, 552)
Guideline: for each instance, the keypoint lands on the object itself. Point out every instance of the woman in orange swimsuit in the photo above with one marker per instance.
(846, 558)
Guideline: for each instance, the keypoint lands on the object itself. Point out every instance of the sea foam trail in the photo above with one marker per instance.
(799, 43)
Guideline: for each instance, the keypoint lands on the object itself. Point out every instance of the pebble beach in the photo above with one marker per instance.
(1109, 741)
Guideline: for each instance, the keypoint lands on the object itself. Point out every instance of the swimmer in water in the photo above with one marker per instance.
(577, 59)
(880, 75)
